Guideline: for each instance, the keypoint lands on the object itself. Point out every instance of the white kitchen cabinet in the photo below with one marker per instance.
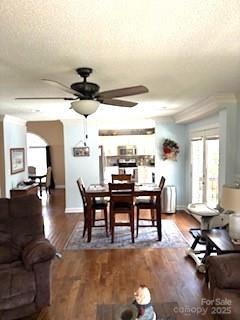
(145, 144)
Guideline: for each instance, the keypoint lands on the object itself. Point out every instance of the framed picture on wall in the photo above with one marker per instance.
(81, 152)
(17, 160)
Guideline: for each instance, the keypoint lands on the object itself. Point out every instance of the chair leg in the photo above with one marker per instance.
(138, 214)
(93, 217)
(110, 222)
(152, 217)
(106, 220)
(85, 225)
(112, 225)
(131, 218)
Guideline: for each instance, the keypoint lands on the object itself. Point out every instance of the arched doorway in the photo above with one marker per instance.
(36, 153)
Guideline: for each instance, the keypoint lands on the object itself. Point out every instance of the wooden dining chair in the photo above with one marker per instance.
(121, 177)
(150, 203)
(48, 180)
(47, 183)
(31, 170)
(97, 204)
(121, 202)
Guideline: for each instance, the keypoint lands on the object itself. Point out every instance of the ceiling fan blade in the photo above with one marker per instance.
(63, 87)
(119, 103)
(123, 92)
(46, 98)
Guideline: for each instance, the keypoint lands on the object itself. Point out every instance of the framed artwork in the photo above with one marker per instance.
(17, 160)
(81, 152)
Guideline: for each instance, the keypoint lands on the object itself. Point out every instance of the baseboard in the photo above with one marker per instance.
(60, 186)
(181, 207)
(74, 210)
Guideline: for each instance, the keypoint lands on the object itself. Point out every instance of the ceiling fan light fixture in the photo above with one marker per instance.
(85, 107)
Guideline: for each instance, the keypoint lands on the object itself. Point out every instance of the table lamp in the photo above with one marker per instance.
(230, 201)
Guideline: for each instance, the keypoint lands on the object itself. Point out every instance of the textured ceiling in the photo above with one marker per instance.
(183, 51)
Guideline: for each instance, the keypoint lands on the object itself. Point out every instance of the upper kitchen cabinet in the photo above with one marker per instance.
(142, 139)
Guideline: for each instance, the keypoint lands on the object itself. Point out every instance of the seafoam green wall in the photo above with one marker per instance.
(173, 171)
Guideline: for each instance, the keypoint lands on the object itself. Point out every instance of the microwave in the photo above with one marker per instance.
(127, 150)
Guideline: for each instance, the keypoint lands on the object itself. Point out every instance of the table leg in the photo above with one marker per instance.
(159, 220)
(209, 250)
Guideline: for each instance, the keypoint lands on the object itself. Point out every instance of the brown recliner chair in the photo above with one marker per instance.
(25, 258)
(223, 273)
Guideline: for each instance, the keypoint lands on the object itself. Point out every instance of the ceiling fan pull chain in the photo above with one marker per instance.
(85, 131)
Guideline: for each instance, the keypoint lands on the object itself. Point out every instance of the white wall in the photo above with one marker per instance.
(75, 167)
(173, 171)
(14, 136)
(238, 135)
(229, 140)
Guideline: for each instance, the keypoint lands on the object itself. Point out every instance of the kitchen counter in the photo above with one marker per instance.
(141, 174)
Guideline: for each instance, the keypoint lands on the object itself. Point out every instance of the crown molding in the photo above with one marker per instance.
(205, 108)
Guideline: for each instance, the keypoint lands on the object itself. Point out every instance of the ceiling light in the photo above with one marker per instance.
(85, 107)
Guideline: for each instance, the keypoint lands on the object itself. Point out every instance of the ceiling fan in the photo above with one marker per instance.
(87, 96)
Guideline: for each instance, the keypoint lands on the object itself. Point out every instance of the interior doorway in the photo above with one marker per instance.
(36, 153)
(205, 167)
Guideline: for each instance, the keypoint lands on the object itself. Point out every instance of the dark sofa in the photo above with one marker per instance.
(25, 258)
(223, 273)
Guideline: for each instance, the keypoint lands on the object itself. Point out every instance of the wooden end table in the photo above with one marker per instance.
(24, 190)
(218, 241)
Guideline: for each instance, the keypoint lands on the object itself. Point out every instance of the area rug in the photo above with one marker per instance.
(164, 311)
(147, 238)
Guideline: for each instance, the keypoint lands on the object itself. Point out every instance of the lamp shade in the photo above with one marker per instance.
(234, 226)
(85, 107)
(230, 199)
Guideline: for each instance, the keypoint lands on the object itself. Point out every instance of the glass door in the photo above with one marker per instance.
(197, 169)
(205, 168)
(212, 170)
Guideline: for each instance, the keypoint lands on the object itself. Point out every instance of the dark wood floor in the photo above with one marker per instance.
(85, 278)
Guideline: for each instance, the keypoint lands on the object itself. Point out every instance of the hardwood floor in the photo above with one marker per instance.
(82, 279)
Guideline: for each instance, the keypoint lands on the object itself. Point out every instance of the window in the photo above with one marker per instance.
(36, 153)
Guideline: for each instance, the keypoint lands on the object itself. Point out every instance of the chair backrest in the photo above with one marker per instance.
(161, 183)
(48, 177)
(81, 188)
(121, 193)
(121, 177)
(31, 170)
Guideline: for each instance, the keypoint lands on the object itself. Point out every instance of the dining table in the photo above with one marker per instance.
(102, 190)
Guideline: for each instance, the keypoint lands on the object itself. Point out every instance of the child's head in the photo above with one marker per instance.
(142, 295)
